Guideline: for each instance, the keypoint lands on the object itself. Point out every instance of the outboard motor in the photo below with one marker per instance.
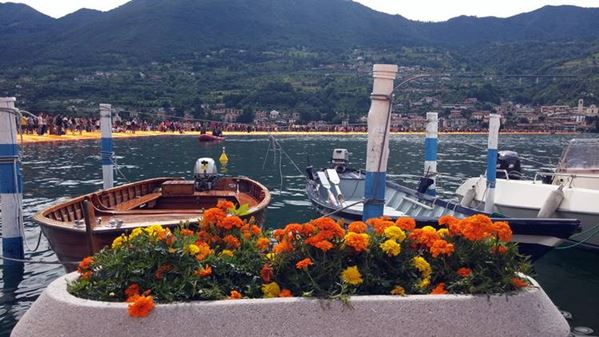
(340, 160)
(205, 174)
(508, 161)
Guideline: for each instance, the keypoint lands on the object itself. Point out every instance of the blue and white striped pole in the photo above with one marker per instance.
(430, 150)
(492, 162)
(106, 151)
(11, 184)
(377, 151)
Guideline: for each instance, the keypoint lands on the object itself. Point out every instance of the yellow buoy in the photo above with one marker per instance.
(223, 159)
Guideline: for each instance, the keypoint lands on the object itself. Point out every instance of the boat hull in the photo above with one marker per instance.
(73, 235)
(535, 236)
(528, 198)
(210, 138)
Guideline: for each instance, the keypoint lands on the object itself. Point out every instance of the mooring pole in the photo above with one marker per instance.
(492, 162)
(11, 183)
(430, 150)
(106, 151)
(377, 151)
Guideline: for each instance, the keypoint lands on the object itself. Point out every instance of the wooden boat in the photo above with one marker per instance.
(210, 138)
(342, 197)
(82, 226)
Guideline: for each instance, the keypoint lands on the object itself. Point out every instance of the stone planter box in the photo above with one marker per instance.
(529, 313)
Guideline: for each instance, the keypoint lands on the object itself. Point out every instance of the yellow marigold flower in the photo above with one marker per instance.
(443, 232)
(422, 265)
(351, 275)
(270, 256)
(119, 241)
(226, 252)
(398, 290)
(154, 230)
(391, 247)
(428, 229)
(395, 233)
(271, 290)
(135, 233)
(424, 283)
(191, 249)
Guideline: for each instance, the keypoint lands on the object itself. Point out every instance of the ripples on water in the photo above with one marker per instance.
(54, 172)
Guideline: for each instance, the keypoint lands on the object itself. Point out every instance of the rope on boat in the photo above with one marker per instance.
(345, 207)
(591, 233)
(30, 261)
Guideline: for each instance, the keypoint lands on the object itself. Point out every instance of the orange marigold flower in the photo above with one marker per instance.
(204, 271)
(213, 215)
(357, 227)
(499, 249)
(293, 229)
(441, 247)
(230, 222)
(379, 225)
(204, 250)
(235, 295)
(278, 234)
(231, 241)
(255, 230)
(132, 290)
(357, 241)
(141, 307)
(224, 204)
(328, 228)
(439, 289)
(285, 293)
(502, 230)
(323, 245)
(475, 227)
(405, 223)
(303, 264)
(266, 273)
(86, 275)
(308, 229)
(86, 263)
(262, 243)
(425, 236)
(186, 232)
(464, 272)
(282, 247)
(164, 268)
(446, 220)
(519, 283)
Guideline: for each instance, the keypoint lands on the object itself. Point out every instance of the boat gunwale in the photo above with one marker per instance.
(42, 218)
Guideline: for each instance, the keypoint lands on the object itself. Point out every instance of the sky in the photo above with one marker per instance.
(422, 10)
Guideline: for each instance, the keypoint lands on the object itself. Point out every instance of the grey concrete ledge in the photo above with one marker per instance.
(528, 313)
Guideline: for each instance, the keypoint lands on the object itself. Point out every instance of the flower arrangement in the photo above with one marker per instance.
(224, 257)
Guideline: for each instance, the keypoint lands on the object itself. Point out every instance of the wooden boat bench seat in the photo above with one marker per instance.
(137, 201)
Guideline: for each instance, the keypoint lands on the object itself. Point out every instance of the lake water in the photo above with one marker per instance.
(55, 171)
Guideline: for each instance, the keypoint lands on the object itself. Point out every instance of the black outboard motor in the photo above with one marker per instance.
(205, 174)
(508, 162)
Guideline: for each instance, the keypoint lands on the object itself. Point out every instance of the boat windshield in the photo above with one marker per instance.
(581, 154)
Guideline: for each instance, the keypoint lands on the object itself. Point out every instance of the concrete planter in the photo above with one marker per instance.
(529, 313)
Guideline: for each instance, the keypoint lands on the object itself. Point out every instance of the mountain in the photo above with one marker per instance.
(150, 29)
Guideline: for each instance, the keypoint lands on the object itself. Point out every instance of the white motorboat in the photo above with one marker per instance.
(571, 190)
